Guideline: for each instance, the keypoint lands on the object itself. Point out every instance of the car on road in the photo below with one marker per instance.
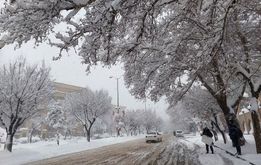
(178, 133)
(153, 137)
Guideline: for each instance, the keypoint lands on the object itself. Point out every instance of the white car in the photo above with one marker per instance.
(178, 133)
(153, 137)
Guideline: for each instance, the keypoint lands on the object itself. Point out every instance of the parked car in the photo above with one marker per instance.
(153, 137)
(178, 133)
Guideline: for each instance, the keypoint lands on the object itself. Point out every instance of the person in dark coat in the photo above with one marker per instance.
(208, 133)
(235, 134)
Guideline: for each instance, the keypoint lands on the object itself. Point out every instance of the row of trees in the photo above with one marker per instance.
(211, 42)
(138, 121)
(86, 107)
(26, 92)
(93, 113)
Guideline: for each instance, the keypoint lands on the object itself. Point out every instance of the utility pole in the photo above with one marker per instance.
(118, 104)
(118, 96)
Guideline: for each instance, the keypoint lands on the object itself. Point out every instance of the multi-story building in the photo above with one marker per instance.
(244, 115)
(60, 91)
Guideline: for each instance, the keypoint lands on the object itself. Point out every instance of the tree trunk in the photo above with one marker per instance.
(257, 132)
(67, 133)
(126, 130)
(30, 135)
(224, 136)
(147, 130)
(229, 117)
(9, 142)
(118, 131)
(222, 133)
(219, 129)
(88, 133)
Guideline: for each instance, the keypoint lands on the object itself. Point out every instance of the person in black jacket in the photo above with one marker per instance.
(235, 134)
(208, 133)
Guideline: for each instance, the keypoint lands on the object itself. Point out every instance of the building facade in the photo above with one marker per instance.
(244, 115)
(43, 130)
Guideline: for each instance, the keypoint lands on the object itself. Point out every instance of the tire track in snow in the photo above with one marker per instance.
(172, 151)
(226, 160)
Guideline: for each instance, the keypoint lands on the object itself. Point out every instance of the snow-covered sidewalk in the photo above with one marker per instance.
(24, 153)
(221, 157)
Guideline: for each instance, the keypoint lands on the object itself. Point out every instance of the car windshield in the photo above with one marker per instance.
(152, 133)
(179, 131)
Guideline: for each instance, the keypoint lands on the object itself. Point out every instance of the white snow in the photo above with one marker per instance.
(245, 95)
(221, 157)
(243, 110)
(24, 153)
(2, 135)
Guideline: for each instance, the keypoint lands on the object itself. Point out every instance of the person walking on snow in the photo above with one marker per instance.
(207, 139)
(235, 134)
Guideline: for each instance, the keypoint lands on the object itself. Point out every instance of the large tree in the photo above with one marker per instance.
(23, 89)
(86, 106)
(157, 40)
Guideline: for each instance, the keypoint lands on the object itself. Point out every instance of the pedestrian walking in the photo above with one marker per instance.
(235, 135)
(207, 139)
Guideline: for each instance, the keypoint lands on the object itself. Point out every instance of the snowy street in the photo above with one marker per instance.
(129, 150)
(178, 151)
(170, 151)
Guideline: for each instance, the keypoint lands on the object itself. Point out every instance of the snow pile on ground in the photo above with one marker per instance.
(187, 153)
(2, 135)
(221, 157)
(24, 153)
(173, 151)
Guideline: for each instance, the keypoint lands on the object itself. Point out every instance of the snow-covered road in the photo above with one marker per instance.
(170, 151)
(24, 153)
(130, 150)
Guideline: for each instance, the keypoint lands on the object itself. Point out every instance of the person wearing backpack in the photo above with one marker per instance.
(207, 139)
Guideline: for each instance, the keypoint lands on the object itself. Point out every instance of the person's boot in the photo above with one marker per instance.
(238, 150)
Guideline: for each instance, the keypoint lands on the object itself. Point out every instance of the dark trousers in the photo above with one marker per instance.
(237, 145)
(211, 148)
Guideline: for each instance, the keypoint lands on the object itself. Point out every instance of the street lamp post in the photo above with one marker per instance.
(118, 104)
(118, 97)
